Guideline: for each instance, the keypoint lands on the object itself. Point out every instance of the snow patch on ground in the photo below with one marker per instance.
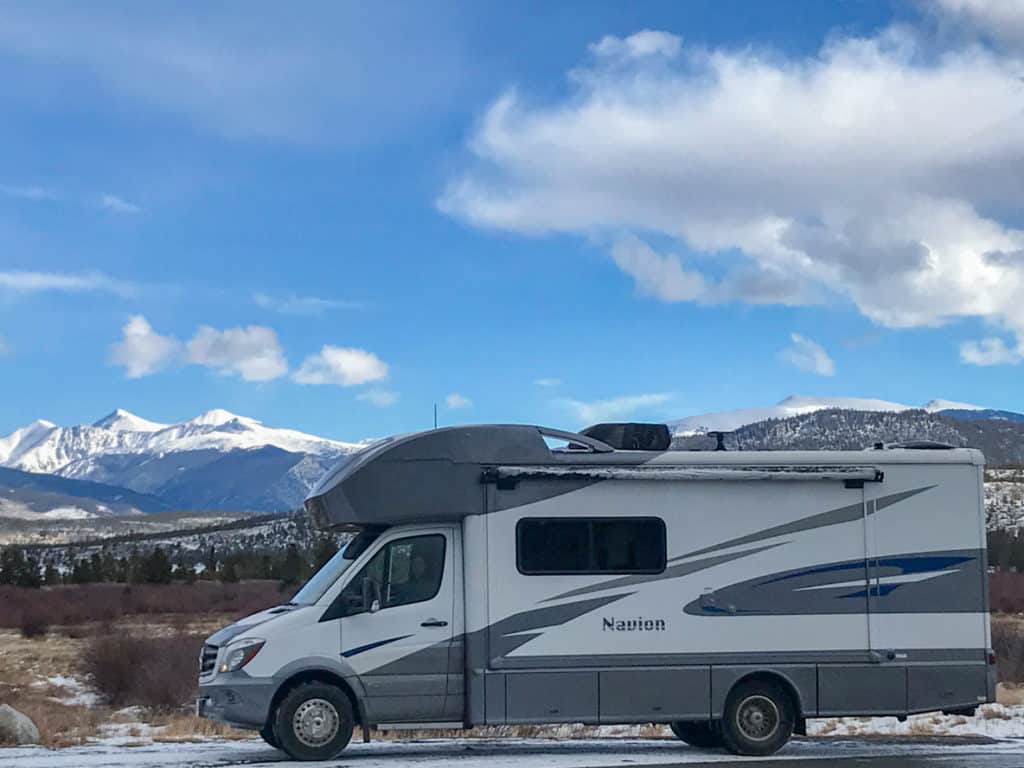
(73, 692)
(993, 720)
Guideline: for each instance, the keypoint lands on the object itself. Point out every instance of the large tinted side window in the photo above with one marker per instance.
(553, 546)
(629, 545)
(590, 545)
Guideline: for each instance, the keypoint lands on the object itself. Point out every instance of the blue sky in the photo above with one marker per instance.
(333, 218)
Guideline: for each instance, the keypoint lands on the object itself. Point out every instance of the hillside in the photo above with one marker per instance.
(1002, 441)
(29, 495)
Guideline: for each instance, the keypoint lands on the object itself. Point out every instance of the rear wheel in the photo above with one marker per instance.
(314, 721)
(700, 734)
(758, 719)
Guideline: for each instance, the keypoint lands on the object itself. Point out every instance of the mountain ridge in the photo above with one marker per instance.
(796, 405)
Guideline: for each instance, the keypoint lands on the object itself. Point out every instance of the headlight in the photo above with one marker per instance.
(240, 654)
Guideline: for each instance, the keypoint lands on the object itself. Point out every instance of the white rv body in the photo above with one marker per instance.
(856, 581)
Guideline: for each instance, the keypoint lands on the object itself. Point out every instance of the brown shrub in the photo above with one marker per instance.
(1006, 592)
(87, 603)
(1008, 643)
(157, 672)
(33, 623)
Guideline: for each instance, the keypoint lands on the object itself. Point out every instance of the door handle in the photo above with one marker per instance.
(434, 623)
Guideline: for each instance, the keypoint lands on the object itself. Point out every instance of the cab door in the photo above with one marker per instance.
(398, 624)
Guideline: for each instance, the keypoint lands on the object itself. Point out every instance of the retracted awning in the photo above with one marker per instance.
(679, 472)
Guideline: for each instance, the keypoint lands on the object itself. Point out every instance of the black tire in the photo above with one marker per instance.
(267, 734)
(699, 734)
(758, 719)
(313, 721)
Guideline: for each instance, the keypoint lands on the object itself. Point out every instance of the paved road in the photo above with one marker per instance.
(522, 753)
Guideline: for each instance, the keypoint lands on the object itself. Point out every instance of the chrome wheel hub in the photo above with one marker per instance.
(757, 718)
(315, 722)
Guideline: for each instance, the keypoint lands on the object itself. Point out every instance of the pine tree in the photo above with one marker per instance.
(156, 568)
(291, 569)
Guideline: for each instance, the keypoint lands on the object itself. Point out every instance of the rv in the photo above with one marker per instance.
(515, 574)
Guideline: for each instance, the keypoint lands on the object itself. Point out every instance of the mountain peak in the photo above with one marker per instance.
(218, 416)
(120, 420)
(809, 402)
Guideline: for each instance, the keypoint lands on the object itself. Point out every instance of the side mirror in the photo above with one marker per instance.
(371, 595)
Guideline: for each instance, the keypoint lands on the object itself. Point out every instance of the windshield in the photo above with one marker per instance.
(322, 580)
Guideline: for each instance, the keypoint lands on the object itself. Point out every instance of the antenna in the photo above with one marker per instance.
(435, 415)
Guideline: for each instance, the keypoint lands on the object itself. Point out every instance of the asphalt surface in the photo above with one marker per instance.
(536, 753)
(969, 760)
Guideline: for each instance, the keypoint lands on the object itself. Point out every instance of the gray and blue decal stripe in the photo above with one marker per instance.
(844, 514)
(370, 646)
(916, 582)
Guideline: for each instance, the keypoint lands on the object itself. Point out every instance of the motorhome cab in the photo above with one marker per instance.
(495, 579)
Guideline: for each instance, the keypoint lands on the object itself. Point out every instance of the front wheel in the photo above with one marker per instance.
(314, 722)
(267, 734)
(758, 719)
(703, 734)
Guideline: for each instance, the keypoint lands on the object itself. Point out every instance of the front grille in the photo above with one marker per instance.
(207, 659)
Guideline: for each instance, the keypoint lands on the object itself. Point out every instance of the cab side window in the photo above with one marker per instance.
(404, 571)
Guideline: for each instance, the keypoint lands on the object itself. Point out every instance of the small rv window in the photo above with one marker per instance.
(590, 545)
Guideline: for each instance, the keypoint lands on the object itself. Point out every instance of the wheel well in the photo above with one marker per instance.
(318, 676)
(774, 677)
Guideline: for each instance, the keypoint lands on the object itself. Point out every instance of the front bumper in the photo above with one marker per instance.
(236, 699)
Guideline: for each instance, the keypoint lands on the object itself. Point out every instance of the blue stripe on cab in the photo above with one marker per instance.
(370, 646)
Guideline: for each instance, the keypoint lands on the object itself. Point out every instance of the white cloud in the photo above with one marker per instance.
(381, 398)
(33, 193)
(252, 352)
(655, 275)
(5, 347)
(872, 172)
(647, 42)
(1003, 20)
(116, 204)
(455, 401)
(808, 356)
(300, 305)
(36, 282)
(613, 409)
(142, 351)
(343, 366)
(990, 351)
(550, 382)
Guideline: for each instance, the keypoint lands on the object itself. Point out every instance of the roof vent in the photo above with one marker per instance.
(631, 437)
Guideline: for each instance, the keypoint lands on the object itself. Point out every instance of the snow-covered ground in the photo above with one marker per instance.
(992, 720)
(477, 753)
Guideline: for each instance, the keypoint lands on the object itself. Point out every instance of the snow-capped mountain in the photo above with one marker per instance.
(216, 460)
(796, 405)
